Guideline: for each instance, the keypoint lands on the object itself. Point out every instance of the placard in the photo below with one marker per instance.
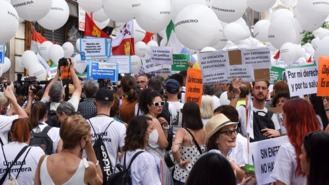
(259, 58)
(95, 48)
(323, 77)
(103, 70)
(245, 73)
(276, 74)
(264, 153)
(2, 54)
(194, 86)
(123, 62)
(214, 66)
(302, 81)
(149, 66)
(161, 55)
(180, 62)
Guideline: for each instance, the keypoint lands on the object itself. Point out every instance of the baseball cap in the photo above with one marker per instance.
(104, 94)
(172, 86)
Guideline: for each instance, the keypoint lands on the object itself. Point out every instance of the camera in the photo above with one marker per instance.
(22, 86)
(3, 85)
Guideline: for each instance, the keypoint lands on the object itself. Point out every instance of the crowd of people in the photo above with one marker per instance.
(83, 132)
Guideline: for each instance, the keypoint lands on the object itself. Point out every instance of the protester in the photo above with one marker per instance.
(87, 107)
(189, 142)
(211, 168)
(142, 81)
(64, 110)
(74, 169)
(129, 99)
(25, 166)
(172, 89)
(278, 102)
(317, 103)
(314, 158)
(144, 169)
(299, 119)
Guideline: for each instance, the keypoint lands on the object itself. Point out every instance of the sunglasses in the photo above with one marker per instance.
(229, 132)
(158, 104)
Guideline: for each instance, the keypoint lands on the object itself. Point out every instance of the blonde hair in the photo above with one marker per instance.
(3, 99)
(207, 107)
(72, 130)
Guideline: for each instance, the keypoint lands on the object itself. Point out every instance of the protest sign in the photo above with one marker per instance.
(323, 77)
(259, 58)
(2, 54)
(302, 81)
(243, 72)
(161, 55)
(264, 153)
(95, 48)
(180, 62)
(194, 86)
(149, 66)
(276, 74)
(103, 70)
(124, 63)
(214, 66)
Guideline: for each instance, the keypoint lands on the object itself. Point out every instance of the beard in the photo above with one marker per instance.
(260, 97)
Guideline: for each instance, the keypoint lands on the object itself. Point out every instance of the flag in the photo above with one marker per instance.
(172, 40)
(123, 43)
(36, 40)
(148, 37)
(92, 30)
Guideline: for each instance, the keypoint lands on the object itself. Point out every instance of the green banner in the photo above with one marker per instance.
(180, 62)
(276, 74)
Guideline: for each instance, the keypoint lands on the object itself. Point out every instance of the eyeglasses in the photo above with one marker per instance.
(158, 104)
(139, 82)
(229, 132)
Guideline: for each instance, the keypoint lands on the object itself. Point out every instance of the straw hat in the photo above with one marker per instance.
(216, 123)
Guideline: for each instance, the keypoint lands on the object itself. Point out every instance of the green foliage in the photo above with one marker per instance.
(308, 36)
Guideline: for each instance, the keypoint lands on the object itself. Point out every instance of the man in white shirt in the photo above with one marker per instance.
(174, 105)
(112, 131)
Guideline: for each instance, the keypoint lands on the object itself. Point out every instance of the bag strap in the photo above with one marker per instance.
(99, 135)
(196, 143)
(20, 168)
(132, 160)
(39, 166)
(12, 164)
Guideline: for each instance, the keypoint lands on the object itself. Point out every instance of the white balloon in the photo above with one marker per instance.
(121, 11)
(90, 5)
(136, 64)
(31, 63)
(261, 30)
(100, 15)
(140, 49)
(29, 59)
(197, 26)
(178, 5)
(250, 43)
(32, 10)
(139, 33)
(208, 49)
(222, 40)
(290, 53)
(323, 48)
(321, 33)
(102, 24)
(309, 49)
(79, 66)
(153, 16)
(235, 32)
(260, 5)
(68, 49)
(57, 15)
(281, 13)
(228, 10)
(5, 66)
(44, 49)
(153, 43)
(77, 45)
(289, 3)
(9, 21)
(55, 53)
(163, 42)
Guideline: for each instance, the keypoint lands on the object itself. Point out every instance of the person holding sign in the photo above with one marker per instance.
(299, 119)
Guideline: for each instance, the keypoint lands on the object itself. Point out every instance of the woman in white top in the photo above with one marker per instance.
(144, 169)
(74, 169)
(25, 166)
(38, 123)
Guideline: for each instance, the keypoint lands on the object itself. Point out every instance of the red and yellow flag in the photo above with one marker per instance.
(92, 30)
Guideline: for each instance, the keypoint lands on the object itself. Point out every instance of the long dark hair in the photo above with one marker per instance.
(38, 112)
(129, 88)
(146, 98)
(135, 134)
(191, 116)
(316, 145)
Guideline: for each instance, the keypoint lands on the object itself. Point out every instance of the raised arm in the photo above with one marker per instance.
(8, 92)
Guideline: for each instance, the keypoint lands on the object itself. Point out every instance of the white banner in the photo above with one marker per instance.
(149, 66)
(123, 62)
(95, 48)
(161, 55)
(246, 73)
(302, 81)
(264, 153)
(258, 58)
(214, 66)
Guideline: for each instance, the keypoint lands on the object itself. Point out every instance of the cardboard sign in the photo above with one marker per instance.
(214, 66)
(123, 62)
(323, 77)
(161, 55)
(180, 62)
(194, 86)
(264, 153)
(2, 54)
(103, 70)
(95, 48)
(302, 81)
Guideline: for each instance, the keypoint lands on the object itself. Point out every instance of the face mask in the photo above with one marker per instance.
(153, 139)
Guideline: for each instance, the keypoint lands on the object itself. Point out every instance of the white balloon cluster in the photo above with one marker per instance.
(9, 21)
(5, 66)
(290, 53)
(31, 63)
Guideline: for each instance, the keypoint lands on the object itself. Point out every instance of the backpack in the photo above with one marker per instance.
(261, 120)
(123, 177)
(42, 140)
(102, 155)
(52, 119)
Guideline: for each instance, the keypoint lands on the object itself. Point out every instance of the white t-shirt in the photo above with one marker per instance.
(53, 133)
(5, 125)
(175, 113)
(144, 169)
(26, 175)
(285, 166)
(216, 101)
(239, 154)
(113, 138)
(74, 100)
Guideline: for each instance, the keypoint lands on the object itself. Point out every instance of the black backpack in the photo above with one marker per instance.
(42, 140)
(123, 177)
(52, 119)
(261, 120)
(102, 155)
